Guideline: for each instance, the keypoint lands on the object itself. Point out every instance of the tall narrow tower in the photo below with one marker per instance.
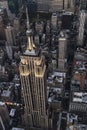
(62, 51)
(10, 36)
(33, 77)
(82, 19)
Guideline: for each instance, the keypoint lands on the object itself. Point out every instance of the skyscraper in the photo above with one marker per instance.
(16, 25)
(10, 36)
(2, 32)
(33, 79)
(83, 4)
(54, 20)
(4, 117)
(82, 19)
(43, 5)
(54, 5)
(62, 51)
(4, 4)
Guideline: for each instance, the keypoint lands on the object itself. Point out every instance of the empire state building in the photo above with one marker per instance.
(33, 82)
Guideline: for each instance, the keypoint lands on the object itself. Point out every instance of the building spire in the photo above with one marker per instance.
(28, 24)
(30, 45)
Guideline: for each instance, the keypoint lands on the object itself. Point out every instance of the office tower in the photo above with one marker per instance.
(56, 5)
(67, 19)
(71, 4)
(10, 36)
(62, 51)
(4, 4)
(4, 116)
(16, 25)
(2, 127)
(39, 26)
(33, 82)
(54, 20)
(2, 32)
(9, 50)
(83, 4)
(43, 5)
(37, 39)
(81, 27)
(3, 14)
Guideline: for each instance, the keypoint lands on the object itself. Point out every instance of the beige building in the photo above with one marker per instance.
(10, 36)
(33, 82)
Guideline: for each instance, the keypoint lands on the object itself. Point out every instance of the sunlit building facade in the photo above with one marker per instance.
(33, 82)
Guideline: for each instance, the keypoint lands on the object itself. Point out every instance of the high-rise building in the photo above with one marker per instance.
(83, 4)
(2, 32)
(4, 4)
(16, 25)
(82, 19)
(43, 5)
(54, 20)
(62, 51)
(67, 18)
(9, 50)
(54, 5)
(33, 82)
(4, 117)
(10, 36)
(3, 14)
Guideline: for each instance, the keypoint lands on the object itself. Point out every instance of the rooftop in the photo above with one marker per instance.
(78, 127)
(54, 94)
(6, 93)
(2, 103)
(72, 124)
(81, 54)
(68, 13)
(14, 128)
(56, 77)
(80, 70)
(31, 53)
(71, 117)
(80, 97)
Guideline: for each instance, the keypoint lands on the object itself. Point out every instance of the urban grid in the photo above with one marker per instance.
(43, 64)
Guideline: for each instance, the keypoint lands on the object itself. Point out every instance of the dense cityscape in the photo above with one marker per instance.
(43, 64)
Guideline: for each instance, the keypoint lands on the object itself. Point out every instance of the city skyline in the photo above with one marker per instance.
(43, 65)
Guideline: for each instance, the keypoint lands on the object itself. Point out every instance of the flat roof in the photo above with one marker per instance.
(6, 93)
(15, 128)
(80, 97)
(31, 53)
